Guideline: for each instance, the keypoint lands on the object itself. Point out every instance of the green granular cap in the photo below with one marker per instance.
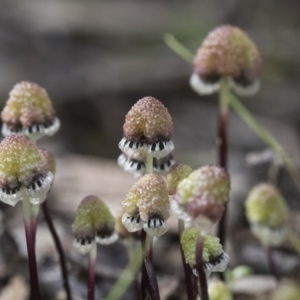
(50, 160)
(177, 173)
(211, 247)
(266, 206)
(218, 290)
(209, 180)
(93, 217)
(28, 104)
(20, 161)
(149, 196)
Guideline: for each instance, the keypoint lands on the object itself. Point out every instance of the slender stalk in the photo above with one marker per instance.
(200, 269)
(91, 270)
(149, 164)
(267, 137)
(35, 209)
(178, 48)
(154, 291)
(127, 276)
(187, 270)
(271, 263)
(149, 281)
(29, 231)
(59, 249)
(144, 279)
(224, 94)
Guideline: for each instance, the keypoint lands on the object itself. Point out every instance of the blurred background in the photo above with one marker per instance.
(96, 59)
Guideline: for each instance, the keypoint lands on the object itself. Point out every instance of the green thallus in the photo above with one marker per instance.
(177, 173)
(228, 52)
(147, 206)
(93, 224)
(147, 132)
(29, 111)
(24, 171)
(201, 196)
(214, 258)
(268, 214)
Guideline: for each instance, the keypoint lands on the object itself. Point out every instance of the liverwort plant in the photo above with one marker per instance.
(24, 176)
(177, 173)
(29, 112)
(200, 197)
(147, 134)
(147, 148)
(227, 53)
(227, 59)
(268, 216)
(199, 201)
(234, 58)
(93, 224)
(213, 258)
(147, 206)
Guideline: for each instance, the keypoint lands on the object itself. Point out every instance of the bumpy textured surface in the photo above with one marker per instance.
(228, 51)
(177, 173)
(266, 206)
(148, 121)
(20, 162)
(211, 247)
(149, 196)
(218, 290)
(28, 104)
(48, 156)
(204, 192)
(93, 217)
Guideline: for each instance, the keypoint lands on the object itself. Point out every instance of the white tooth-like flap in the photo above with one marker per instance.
(202, 87)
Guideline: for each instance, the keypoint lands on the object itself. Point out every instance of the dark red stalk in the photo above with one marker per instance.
(187, 270)
(149, 280)
(59, 249)
(222, 151)
(200, 269)
(34, 281)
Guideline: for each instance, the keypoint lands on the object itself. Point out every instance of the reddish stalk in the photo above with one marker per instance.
(200, 269)
(59, 249)
(149, 280)
(187, 270)
(29, 232)
(223, 151)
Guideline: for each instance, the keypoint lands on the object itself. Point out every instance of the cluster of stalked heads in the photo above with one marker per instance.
(29, 111)
(227, 52)
(213, 257)
(147, 206)
(25, 171)
(199, 196)
(93, 224)
(267, 214)
(147, 130)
